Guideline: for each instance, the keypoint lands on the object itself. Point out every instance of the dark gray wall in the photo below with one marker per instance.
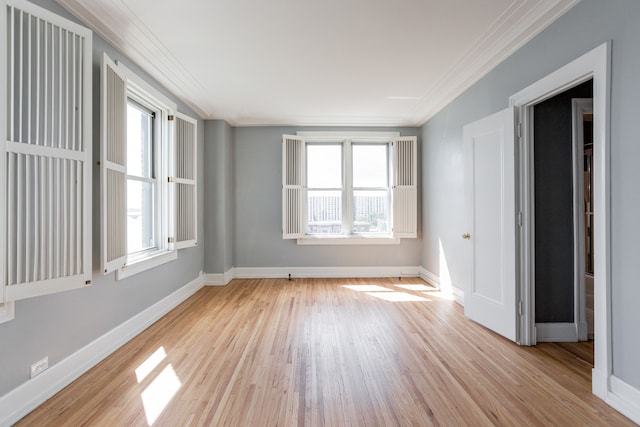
(589, 24)
(553, 183)
(60, 324)
(257, 239)
(218, 174)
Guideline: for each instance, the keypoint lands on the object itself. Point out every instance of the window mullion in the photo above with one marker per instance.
(347, 194)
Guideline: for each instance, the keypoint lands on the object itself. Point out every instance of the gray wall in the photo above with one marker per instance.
(219, 191)
(60, 324)
(257, 237)
(586, 26)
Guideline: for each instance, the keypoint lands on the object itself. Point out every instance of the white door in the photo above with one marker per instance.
(490, 297)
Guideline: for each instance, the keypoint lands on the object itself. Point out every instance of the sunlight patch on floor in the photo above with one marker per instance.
(150, 364)
(159, 393)
(397, 296)
(439, 294)
(416, 287)
(367, 288)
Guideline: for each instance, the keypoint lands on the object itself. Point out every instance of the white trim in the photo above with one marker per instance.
(28, 396)
(433, 279)
(144, 264)
(324, 272)
(556, 332)
(7, 311)
(341, 135)
(219, 279)
(625, 399)
(429, 277)
(579, 106)
(594, 64)
(138, 85)
(347, 240)
(491, 48)
(214, 280)
(458, 295)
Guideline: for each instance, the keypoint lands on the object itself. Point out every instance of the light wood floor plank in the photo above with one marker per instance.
(330, 352)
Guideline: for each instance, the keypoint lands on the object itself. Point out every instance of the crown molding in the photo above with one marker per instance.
(519, 23)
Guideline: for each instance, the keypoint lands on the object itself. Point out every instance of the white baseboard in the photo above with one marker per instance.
(214, 280)
(434, 279)
(429, 277)
(324, 272)
(458, 295)
(556, 332)
(625, 399)
(28, 396)
(219, 279)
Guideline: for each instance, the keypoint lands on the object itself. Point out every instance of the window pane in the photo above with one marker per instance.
(140, 217)
(324, 166)
(324, 213)
(370, 166)
(371, 212)
(139, 141)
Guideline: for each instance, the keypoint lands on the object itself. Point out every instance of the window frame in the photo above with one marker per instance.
(347, 140)
(144, 94)
(159, 199)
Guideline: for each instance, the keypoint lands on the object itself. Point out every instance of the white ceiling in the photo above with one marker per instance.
(306, 62)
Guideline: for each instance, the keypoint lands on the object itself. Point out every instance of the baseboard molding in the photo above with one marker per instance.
(556, 332)
(219, 279)
(458, 295)
(625, 399)
(434, 279)
(324, 272)
(429, 277)
(28, 396)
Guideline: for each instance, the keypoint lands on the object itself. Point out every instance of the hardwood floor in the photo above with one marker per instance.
(327, 352)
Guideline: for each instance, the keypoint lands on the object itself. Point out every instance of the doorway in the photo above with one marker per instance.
(593, 65)
(559, 239)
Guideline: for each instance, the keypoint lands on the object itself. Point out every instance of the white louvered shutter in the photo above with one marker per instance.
(113, 171)
(405, 188)
(185, 182)
(46, 198)
(293, 187)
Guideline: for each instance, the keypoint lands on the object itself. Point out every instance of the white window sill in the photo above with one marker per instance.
(349, 240)
(144, 264)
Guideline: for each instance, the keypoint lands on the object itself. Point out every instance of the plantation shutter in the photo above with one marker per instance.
(293, 186)
(184, 181)
(46, 197)
(405, 189)
(113, 171)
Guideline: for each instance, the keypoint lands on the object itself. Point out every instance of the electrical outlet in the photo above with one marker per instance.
(40, 366)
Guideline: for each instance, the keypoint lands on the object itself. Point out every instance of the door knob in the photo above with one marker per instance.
(466, 236)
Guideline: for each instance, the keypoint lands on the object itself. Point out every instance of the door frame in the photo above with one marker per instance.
(595, 65)
(579, 107)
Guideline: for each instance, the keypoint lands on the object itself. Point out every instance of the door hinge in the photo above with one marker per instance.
(170, 117)
(520, 308)
(519, 219)
(519, 130)
(171, 240)
(170, 179)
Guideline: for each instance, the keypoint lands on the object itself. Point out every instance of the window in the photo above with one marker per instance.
(148, 176)
(143, 189)
(359, 188)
